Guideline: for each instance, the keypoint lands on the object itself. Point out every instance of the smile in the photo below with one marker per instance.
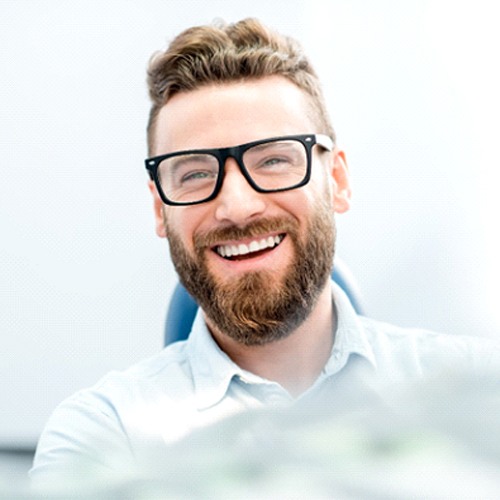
(250, 249)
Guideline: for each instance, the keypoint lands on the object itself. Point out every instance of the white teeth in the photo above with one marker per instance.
(253, 246)
(243, 249)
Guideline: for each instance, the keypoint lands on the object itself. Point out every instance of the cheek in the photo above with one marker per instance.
(322, 182)
(184, 222)
(322, 190)
(304, 201)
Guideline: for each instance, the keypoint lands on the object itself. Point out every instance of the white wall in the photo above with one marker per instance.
(414, 89)
(83, 279)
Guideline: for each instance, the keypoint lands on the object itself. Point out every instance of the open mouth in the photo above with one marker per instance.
(253, 249)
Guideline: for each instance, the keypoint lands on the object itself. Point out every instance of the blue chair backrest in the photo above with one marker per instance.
(182, 308)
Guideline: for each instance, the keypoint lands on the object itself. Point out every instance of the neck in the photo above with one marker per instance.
(296, 361)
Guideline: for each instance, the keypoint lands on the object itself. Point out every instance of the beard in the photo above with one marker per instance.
(257, 308)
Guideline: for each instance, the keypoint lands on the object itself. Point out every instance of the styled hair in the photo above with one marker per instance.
(225, 53)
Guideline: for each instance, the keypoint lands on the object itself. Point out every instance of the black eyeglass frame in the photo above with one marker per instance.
(237, 152)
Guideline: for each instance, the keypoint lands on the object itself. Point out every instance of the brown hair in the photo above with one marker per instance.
(222, 53)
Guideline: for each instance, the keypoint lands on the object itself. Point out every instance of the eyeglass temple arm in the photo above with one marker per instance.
(325, 142)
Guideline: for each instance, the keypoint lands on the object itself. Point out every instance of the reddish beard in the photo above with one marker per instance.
(255, 309)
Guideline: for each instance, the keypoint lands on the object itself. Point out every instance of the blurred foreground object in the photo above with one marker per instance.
(438, 439)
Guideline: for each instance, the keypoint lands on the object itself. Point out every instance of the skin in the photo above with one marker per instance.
(235, 113)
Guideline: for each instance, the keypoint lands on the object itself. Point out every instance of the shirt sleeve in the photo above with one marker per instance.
(83, 441)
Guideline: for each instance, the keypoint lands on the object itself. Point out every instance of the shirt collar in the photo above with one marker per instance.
(213, 370)
(350, 337)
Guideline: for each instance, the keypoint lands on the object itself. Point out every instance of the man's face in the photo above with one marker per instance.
(262, 295)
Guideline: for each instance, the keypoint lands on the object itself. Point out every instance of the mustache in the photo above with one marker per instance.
(253, 229)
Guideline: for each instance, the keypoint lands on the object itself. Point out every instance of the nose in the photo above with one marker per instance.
(237, 201)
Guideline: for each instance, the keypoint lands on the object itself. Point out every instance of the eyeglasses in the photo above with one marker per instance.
(269, 166)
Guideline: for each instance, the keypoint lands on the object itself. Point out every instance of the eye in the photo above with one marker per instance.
(275, 157)
(197, 175)
(272, 164)
(191, 169)
(274, 161)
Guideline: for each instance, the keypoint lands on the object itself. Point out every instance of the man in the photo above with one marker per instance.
(246, 178)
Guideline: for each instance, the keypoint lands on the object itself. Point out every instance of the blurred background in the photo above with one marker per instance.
(84, 282)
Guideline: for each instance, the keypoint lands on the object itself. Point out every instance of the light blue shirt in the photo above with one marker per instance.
(191, 384)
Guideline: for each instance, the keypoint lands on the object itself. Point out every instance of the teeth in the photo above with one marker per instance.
(243, 249)
(253, 246)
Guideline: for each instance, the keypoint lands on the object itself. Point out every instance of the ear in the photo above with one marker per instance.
(341, 183)
(158, 211)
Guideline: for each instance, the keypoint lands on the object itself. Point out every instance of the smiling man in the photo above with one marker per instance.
(252, 232)
(246, 178)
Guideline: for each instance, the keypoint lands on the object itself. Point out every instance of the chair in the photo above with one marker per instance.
(182, 308)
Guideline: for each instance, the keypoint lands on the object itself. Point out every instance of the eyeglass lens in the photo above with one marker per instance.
(272, 166)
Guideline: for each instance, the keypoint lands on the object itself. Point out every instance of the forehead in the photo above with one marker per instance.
(233, 113)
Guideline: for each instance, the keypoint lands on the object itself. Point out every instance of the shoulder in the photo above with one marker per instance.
(166, 375)
(117, 414)
(379, 331)
(428, 352)
(172, 363)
